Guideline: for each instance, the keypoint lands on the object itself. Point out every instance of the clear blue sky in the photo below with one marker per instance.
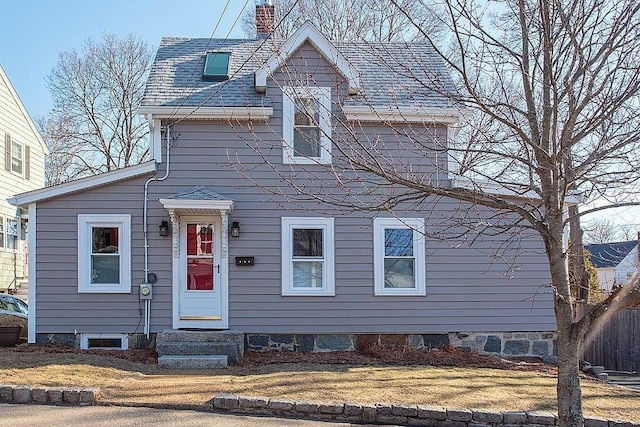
(33, 33)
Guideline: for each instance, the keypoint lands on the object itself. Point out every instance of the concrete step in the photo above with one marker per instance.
(228, 349)
(178, 335)
(193, 344)
(193, 362)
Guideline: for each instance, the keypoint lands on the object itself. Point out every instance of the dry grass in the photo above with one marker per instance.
(462, 387)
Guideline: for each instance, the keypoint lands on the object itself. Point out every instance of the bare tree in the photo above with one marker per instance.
(551, 91)
(601, 230)
(348, 19)
(66, 159)
(96, 93)
(604, 230)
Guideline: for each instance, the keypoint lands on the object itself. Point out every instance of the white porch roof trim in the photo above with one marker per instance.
(207, 113)
(83, 184)
(384, 113)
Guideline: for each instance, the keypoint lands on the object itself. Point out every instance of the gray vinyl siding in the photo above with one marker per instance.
(470, 288)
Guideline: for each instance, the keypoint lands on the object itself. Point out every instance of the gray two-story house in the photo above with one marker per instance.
(246, 218)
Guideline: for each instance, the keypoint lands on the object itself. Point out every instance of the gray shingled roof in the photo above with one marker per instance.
(607, 255)
(394, 74)
(198, 192)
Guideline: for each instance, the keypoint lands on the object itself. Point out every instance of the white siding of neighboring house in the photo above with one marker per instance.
(627, 267)
(606, 277)
(15, 121)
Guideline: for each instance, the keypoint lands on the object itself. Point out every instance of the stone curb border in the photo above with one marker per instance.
(408, 415)
(75, 396)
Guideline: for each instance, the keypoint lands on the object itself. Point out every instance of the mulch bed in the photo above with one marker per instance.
(377, 355)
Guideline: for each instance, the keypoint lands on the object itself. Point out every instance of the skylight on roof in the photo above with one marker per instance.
(216, 66)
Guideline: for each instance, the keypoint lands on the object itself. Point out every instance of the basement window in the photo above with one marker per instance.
(216, 66)
(104, 342)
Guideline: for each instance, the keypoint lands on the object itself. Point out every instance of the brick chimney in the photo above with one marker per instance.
(265, 18)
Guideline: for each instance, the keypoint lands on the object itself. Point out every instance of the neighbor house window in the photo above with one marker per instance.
(17, 157)
(306, 127)
(307, 256)
(12, 231)
(399, 252)
(104, 253)
(17, 162)
(2, 234)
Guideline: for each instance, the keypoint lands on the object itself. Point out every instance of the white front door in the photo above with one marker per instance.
(200, 291)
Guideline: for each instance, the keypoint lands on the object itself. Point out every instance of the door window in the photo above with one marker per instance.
(200, 246)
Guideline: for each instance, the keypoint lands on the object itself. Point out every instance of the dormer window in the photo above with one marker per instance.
(306, 125)
(216, 66)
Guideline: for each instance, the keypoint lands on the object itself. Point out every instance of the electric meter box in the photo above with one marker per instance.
(146, 291)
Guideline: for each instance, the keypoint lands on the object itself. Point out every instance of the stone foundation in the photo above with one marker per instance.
(521, 344)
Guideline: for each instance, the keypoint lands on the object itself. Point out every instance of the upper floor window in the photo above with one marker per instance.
(306, 124)
(399, 253)
(17, 164)
(104, 253)
(307, 256)
(17, 156)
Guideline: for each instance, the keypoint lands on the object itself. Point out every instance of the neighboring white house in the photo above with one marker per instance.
(21, 169)
(616, 262)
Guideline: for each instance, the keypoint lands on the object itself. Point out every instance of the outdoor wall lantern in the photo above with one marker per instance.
(163, 229)
(235, 229)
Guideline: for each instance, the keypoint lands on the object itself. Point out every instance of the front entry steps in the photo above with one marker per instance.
(199, 349)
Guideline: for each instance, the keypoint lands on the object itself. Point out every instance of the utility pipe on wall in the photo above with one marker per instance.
(147, 303)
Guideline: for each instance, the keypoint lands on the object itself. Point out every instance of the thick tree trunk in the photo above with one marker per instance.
(568, 388)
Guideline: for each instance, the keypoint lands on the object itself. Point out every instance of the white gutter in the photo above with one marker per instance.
(211, 113)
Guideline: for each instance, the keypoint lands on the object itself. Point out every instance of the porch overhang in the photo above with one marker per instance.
(202, 201)
(197, 207)
(199, 200)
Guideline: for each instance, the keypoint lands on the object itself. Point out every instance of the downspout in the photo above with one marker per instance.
(147, 303)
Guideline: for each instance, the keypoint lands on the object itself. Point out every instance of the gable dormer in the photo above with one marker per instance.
(307, 33)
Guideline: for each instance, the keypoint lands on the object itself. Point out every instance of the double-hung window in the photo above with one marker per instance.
(17, 157)
(307, 256)
(306, 126)
(104, 253)
(399, 252)
(17, 163)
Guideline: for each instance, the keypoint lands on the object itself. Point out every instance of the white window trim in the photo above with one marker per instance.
(22, 158)
(6, 234)
(328, 279)
(3, 234)
(84, 341)
(85, 222)
(417, 225)
(323, 95)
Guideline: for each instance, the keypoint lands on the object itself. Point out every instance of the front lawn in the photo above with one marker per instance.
(517, 388)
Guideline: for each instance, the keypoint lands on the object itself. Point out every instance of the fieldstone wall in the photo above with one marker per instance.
(532, 344)
(524, 344)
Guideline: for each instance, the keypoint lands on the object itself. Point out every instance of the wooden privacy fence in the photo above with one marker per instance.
(615, 343)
